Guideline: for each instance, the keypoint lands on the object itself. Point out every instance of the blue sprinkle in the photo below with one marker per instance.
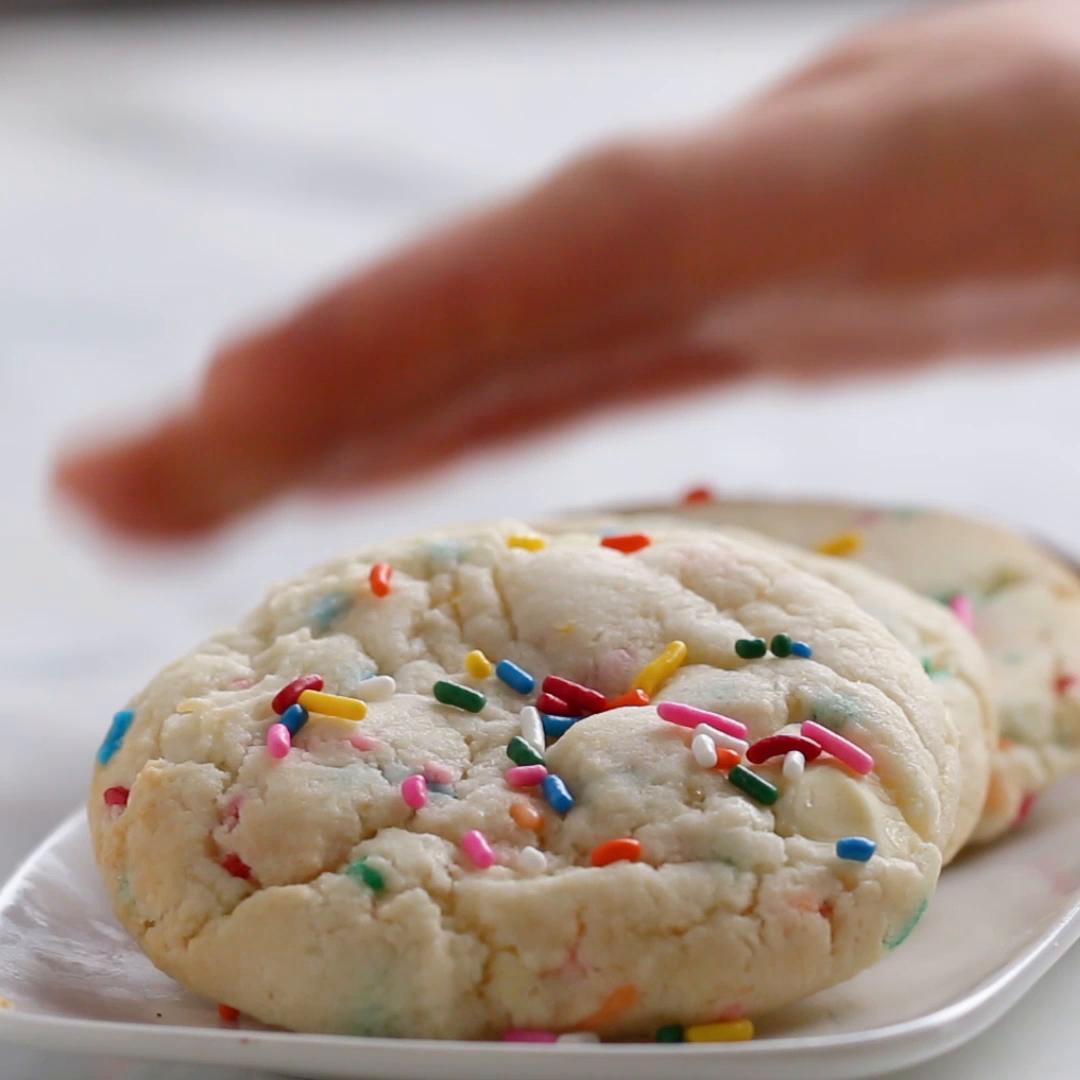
(554, 726)
(516, 678)
(856, 848)
(445, 552)
(442, 789)
(115, 736)
(800, 648)
(294, 718)
(329, 608)
(557, 794)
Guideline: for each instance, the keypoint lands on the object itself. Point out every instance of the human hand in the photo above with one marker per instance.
(911, 193)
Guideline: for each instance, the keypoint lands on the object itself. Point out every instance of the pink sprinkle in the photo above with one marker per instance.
(116, 796)
(529, 1035)
(526, 775)
(688, 716)
(1064, 683)
(363, 742)
(232, 811)
(414, 791)
(437, 773)
(963, 609)
(278, 741)
(855, 757)
(240, 684)
(475, 844)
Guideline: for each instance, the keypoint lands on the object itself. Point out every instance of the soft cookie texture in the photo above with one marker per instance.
(930, 631)
(306, 892)
(1022, 601)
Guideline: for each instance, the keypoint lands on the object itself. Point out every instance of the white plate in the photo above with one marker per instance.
(1000, 919)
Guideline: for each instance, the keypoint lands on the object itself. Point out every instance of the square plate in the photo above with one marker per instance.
(1000, 919)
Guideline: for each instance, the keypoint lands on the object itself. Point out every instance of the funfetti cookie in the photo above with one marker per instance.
(929, 630)
(498, 784)
(1021, 601)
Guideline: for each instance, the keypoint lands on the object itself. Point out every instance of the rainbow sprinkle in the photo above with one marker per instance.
(657, 672)
(114, 738)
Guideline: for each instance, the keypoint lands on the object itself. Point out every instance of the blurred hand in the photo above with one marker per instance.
(915, 191)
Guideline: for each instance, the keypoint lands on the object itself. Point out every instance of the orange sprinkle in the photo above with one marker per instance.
(627, 542)
(620, 1000)
(727, 758)
(631, 697)
(380, 578)
(228, 1013)
(699, 495)
(528, 817)
(621, 849)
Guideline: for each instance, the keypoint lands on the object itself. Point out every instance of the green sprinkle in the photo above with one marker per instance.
(757, 787)
(904, 932)
(362, 870)
(670, 1033)
(521, 752)
(461, 697)
(780, 645)
(750, 648)
(927, 665)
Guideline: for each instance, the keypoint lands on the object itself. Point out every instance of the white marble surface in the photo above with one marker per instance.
(164, 176)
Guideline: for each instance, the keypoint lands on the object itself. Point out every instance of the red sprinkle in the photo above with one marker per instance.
(631, 697)
(380, 578)
(699, 495)
(1064, 683)
(775, 745)
(554, 706)
(582, 699)
(287, 695)
(236, 866)
(116, 796)
(1025, 808)
(228, 1013)
(627, 542)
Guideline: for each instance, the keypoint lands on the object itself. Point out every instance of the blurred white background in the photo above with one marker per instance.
(167, 176)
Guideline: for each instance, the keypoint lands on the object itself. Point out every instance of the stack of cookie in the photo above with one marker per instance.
(639, 775)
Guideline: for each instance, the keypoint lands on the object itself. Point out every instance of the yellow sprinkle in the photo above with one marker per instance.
(187, 705)
(725, 1031)
(657, 672)
(529, 543)
(478, 665)
(5, 1004)
(566, 628)
(344, 708)
(845, 543)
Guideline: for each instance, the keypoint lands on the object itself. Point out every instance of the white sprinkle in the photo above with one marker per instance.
(377, 688)
(794, 765)
(704, 751)
(579, 1037)
(722, 738)
(532, 861)
(532, 730)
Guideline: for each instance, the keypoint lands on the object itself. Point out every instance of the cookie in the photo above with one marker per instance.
(930, 631)
(431, 870)
(1021, 601)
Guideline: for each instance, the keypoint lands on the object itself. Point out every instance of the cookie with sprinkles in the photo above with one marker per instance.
(1020, 599)
(429, 860)
(930, 631)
